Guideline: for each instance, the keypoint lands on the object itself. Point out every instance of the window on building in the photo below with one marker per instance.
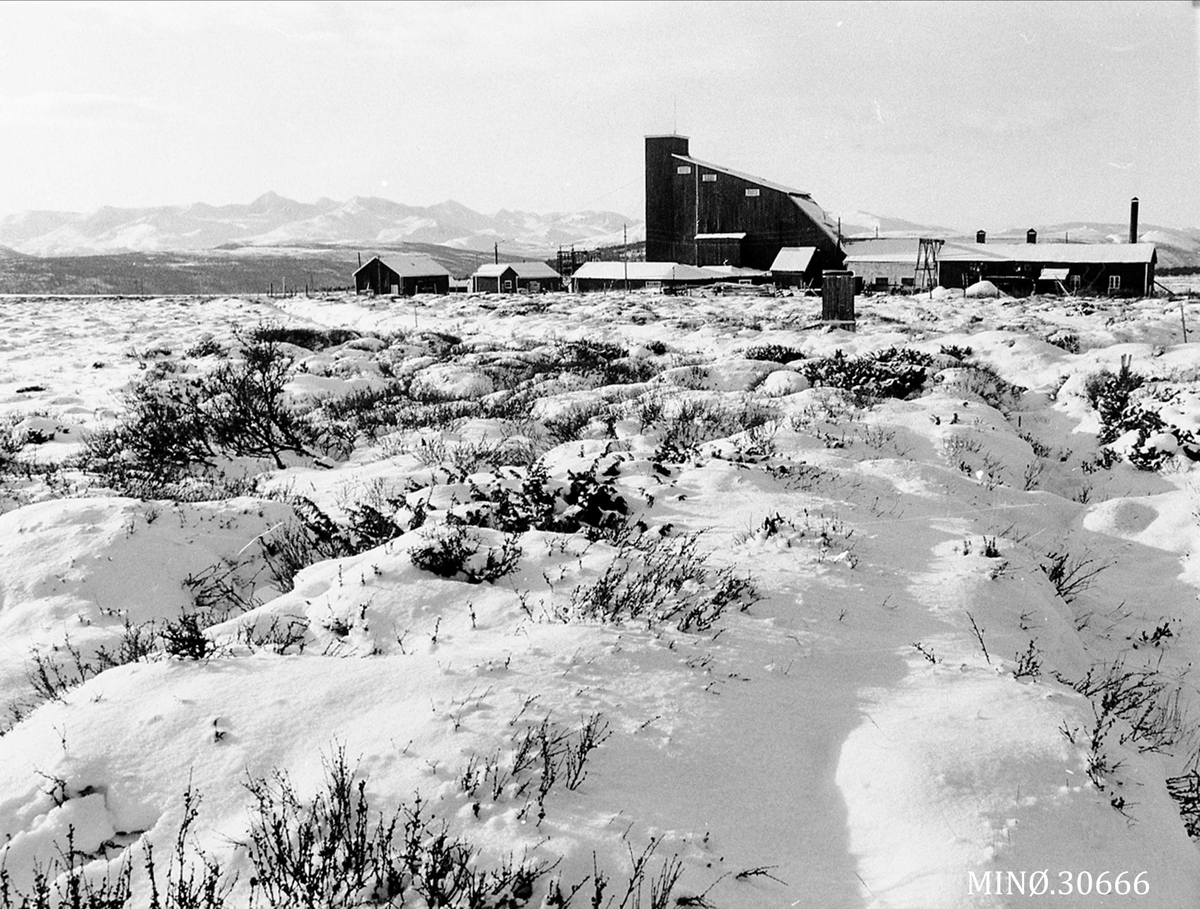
(752, 194)
(1114, 283)
(508, 285)
(683, 169)
(1076, 283)
(709, 178)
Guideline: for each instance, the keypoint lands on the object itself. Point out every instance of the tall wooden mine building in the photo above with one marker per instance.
(699, 213)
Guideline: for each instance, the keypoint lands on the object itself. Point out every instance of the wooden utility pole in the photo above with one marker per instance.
(625, 253)
(496, 253)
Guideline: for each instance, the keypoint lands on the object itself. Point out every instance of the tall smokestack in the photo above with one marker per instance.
(1133, 213)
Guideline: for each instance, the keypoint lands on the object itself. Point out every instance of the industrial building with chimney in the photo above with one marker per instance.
(698, 213)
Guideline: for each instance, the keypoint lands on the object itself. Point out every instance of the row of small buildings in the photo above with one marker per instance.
(889, 265)
(405, 276)
(707, 223)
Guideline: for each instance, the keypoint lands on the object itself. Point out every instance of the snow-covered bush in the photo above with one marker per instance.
(893, 373)
(696, 421)
(174, 426)
(659, 579)
(777, 353)
(302, 336)
(1127, 423)
(184, 637)
(586, 501)
(314, 536)
(452, 550)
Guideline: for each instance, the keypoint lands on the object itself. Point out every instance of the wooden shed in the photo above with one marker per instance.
(794, 267)
(516, 277)
(1113, 269)
(401, 276)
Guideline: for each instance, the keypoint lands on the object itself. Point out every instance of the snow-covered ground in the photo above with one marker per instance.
(881, 699)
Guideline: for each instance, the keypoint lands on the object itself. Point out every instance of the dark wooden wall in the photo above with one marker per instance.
(681, 202)
(1020, 278)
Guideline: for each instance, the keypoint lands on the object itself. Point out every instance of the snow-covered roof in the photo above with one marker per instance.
(898, 250)
(741, 235)
(408, 266)
(1081, 253)
(768, 184)
(522, 270)
(817, 215)
(642, 271)
(871, 250)
(794, 258)
(734, 271)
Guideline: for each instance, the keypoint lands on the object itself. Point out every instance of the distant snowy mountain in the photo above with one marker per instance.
(273, 220)
(858, 225)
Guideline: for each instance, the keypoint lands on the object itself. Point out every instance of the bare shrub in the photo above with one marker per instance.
(450, 550)
(659, 579)
(1070, 575)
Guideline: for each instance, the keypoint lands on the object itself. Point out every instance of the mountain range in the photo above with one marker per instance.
(272, 220)
(273, 223)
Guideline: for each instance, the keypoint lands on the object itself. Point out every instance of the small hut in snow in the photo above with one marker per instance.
(516, 277)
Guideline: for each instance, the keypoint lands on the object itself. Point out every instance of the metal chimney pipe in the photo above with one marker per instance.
(1133, 218)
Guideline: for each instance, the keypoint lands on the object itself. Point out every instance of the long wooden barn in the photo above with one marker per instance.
(401, 276)
(1113, 269)
(699, 213)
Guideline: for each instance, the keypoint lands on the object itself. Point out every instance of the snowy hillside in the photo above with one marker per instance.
(607, 601)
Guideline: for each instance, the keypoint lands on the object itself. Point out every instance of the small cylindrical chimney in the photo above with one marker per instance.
(981, 236)
(1031, 236)
(1133, 215)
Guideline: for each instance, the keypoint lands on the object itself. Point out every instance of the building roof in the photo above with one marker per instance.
(409, 266)
(1052, 253)
(871, 250)
(794, 258)
(642, 271)
(801, 199)
(903, 250)
(521, 269)
(749, 178)
(726, 272)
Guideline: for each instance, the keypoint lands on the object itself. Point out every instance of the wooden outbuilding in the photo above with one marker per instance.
(1112, 269)
(665, 276)
(516, 277)
(793, 267)
(401, 276)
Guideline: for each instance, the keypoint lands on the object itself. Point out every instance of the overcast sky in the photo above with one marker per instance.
(961, 114)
